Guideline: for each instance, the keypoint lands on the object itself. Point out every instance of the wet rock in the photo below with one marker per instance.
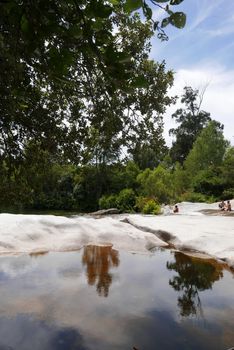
(217, 212)
(103, 212)
(161, 234)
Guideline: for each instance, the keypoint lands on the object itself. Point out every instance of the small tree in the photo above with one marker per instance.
(228, 167)
(227, 171)
(156, 184)
(208, 150)
(205, 159)
(191, 120)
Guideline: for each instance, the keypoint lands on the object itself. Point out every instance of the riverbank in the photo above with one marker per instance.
(189, 231)
(217, 212)
(211, 236)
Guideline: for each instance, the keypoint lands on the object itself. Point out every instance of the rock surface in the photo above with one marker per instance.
(189, 230)
(103, 212)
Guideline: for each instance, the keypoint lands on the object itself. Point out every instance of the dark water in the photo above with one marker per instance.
(102, 299)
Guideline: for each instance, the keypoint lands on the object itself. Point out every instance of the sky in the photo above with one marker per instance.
(202, 55)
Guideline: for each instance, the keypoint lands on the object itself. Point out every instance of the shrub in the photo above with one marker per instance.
(140, 203)
(126, 200)
(151, 207)
(195, 197)
(228, 193)
(208, 182)
(157, 183)
(147, 205)
(107, 202)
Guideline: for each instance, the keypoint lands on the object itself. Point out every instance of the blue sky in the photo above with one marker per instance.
(202, 54)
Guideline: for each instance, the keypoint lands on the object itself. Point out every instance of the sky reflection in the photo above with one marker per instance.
(150, 301)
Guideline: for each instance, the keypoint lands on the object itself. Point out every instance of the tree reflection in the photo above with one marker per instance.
(99, 260)
(194, 275)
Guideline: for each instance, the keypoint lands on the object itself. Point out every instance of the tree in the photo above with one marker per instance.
(193, 276)
(180, 180)
(191, 121)
(80, 97)
(78, 79)
(208, 150)
(98, 262)
(227, 173)
(205, 159)
(156, 184)
(46, 35)
(45, 45)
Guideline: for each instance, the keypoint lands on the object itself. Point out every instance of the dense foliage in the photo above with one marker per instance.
(81, 111)
(44, 183)
(191, 120)
(64, 63)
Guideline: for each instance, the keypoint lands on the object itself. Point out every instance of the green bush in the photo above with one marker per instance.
(208, 182)
(126, 200)
(141, 202)
(151, 207)
(228, 194)
(195, 197)
(147, 205)
(107, 202)
(157, 183)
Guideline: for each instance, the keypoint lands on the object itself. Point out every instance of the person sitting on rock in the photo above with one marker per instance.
(222, 205)
(228, 206)
(176, 209)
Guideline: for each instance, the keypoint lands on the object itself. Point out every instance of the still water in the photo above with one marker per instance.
(98, 298)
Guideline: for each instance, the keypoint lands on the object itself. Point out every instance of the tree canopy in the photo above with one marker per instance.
(208, 150)
(81, 110)
(191, 120)
(68, 62)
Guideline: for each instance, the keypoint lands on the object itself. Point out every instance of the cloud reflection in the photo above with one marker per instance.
(25, 334)
(53, 303)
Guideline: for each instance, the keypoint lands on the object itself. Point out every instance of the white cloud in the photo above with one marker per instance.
(218, 97)
(204, 10)
(222, 28)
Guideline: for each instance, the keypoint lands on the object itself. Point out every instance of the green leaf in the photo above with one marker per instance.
(9, 6)
(97, 24)
(165, 22)
(106, 12)
(124, 57)
(132, 5)
(168, 10)
(178, 19)
(23, 106)
(24, 24)
(155, 26)
(63, 80)
(114, 2)
(110, 54)
(75, 31)
(175, 2)
(147, 11)
(100, 10)
(140, 82)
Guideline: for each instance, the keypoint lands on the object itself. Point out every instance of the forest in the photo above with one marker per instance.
(82, 107)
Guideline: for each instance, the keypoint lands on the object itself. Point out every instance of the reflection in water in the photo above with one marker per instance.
(45, 303)
(17, 334)
(38, 254)
(99, 260)
(194, 275)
